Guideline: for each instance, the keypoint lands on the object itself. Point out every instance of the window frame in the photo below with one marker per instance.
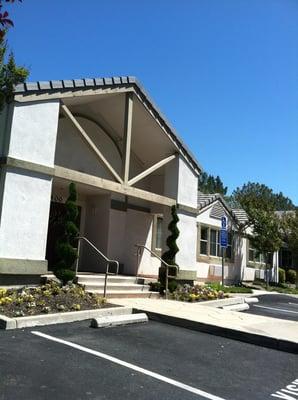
(157, 250)
(208, 242)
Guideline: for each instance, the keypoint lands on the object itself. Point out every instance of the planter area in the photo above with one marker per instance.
(197, 293)
(47, 299)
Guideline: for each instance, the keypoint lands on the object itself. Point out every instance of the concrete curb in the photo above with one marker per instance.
(230, 301)
(237, 307)
(119, 320)
(60, 318)
(247, 337)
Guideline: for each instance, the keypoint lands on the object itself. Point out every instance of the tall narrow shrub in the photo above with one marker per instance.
(170, 255)
(66, 247)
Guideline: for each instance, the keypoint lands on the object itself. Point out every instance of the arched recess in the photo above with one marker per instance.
(72, 152)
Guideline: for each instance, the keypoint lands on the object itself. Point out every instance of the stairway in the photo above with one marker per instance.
(118, 286)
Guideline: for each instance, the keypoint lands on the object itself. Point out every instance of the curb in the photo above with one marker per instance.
(118, 320)
(60, 318)
(247, 337)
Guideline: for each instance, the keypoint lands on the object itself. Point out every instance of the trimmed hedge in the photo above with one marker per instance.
(291, 276)
(281, 275)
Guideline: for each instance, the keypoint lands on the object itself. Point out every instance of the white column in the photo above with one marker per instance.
(181, 183)
(26, 194)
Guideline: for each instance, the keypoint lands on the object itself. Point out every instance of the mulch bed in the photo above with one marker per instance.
(47, 299)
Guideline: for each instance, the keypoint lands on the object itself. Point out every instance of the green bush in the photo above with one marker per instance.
(155, 286)
(65, 275)
(291, 276)
(66, 245)
(281, 275)
(172, 285)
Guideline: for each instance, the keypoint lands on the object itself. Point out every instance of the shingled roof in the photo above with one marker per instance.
(65, 85)
(205, 200)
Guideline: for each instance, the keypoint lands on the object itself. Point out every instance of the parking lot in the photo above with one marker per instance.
(276, 306)
(150, 361)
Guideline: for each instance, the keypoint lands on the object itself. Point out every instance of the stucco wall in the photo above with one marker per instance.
(211, 269)
(33, 132)
(26, 195)
(127, 229)
(25, 214)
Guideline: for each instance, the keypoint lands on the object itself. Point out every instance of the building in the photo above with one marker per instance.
(129, 166)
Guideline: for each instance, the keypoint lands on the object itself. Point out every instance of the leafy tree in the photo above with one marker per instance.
(290, 232)
(254, 195)
(259, 203)
(10, 73)
(66, 245)
(265, 237)
(211, 184)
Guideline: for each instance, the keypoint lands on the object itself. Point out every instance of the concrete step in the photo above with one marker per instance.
(118, 320)
(86, 279)
(115, 286)
(118, 294)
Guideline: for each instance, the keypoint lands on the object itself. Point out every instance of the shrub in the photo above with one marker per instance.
(65, 275)
(66, 244)
(291, 276)
(281, 275)
(172, 285)
(155, 286)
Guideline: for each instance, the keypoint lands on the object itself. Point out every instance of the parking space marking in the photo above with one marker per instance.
(290, 389)
(144, 371)
(276, 309)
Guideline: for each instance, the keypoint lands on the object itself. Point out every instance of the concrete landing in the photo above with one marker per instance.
(264, 331)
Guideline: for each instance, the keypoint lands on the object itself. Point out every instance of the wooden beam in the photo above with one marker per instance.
(100, 183)
(127, 136)
(90, 143)
(151, 169)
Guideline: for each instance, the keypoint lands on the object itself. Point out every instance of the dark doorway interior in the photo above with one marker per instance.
(57, 212)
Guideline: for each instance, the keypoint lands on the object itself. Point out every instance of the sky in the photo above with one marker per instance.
(224, 72)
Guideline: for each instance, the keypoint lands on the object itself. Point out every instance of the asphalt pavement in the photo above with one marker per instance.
(276, 306)
(149, 361)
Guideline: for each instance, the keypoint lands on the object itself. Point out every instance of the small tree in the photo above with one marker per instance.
(266, 237)
(10, 73)
(170, 255)
(66, 244)
(290, 233)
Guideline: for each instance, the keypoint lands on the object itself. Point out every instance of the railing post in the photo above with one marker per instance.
(106, 281)
(78, 259)
(167, 281)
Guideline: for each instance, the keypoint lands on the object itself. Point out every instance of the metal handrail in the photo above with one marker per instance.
(139, 246)
(108, 261)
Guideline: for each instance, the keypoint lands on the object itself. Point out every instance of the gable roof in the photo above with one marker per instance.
(65, 85)
(204, 200)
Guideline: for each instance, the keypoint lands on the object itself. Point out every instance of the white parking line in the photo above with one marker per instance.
(276, 309)
(144, 371)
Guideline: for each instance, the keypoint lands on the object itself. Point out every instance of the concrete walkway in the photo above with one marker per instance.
(266, 331)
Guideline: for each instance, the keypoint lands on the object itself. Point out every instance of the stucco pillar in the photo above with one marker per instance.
(27, 156)
(181, 183)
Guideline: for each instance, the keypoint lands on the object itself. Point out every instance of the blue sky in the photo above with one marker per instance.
(225, 72)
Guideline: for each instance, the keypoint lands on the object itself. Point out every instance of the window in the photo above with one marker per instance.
(204, 240)
(254, 255)
(209, 242)
(157, 233)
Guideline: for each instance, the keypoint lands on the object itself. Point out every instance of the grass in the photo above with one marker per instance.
(229, 289)
(281, 288)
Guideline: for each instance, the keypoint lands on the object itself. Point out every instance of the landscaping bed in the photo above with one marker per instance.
(47, 299)
(196, 293)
